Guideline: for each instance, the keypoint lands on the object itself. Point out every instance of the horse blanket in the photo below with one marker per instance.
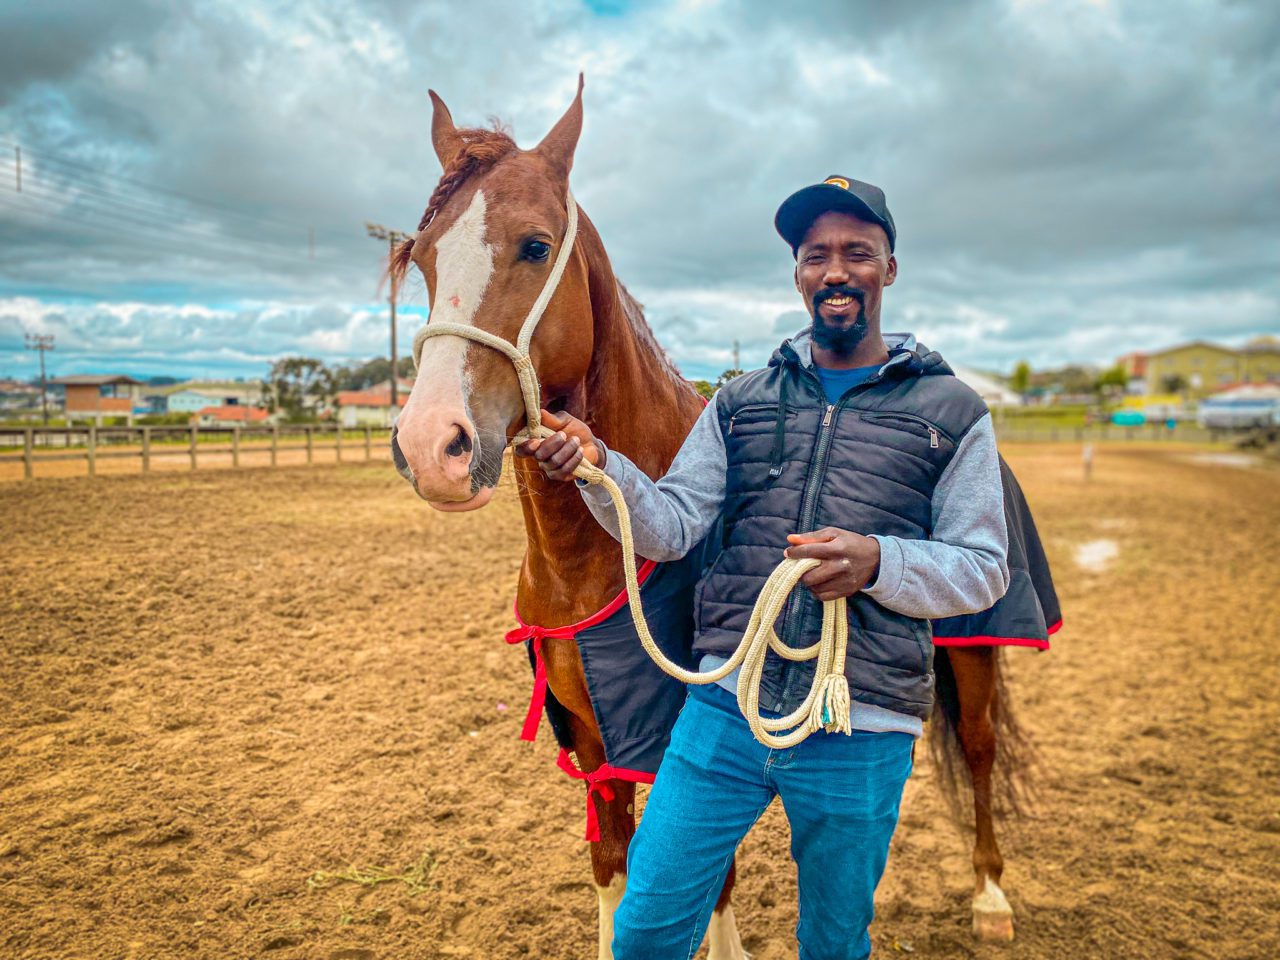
(635, 703)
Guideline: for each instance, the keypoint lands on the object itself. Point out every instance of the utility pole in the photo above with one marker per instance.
(379, 232)
(42, 344)
(737, 359)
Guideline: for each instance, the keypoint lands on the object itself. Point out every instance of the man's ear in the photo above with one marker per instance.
(795, 275)
(891, 274)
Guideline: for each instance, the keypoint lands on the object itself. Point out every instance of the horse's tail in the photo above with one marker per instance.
(1011, 773)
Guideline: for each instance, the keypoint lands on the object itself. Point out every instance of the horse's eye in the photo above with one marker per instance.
(535, 250)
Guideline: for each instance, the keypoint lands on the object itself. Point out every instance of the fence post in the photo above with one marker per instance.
(311, 436)
(26, 452)
(195, 435)
(93, 450)
(146, 449)
(338, 446)
(275, 442)
(235, 445)
(368, 442)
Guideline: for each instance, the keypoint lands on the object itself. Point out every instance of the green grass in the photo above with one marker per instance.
(416, 878)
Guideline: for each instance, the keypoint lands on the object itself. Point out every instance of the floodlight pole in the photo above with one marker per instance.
(379, 232)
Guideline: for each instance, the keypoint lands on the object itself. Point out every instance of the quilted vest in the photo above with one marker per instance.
(868, 463)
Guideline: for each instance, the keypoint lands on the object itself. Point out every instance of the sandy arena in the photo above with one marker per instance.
(218, 684)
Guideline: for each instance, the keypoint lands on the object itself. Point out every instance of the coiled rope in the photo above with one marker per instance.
(827, 704)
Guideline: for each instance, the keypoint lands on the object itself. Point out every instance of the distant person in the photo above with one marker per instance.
(864, 452)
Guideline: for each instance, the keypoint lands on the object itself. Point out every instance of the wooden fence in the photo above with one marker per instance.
(1183, 432)
(92, 444)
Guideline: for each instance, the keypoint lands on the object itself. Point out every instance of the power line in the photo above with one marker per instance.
(151, 233)
(181, 195)
(118, 210)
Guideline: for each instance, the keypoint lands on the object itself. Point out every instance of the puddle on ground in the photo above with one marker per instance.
(1240, 461)
(1096, 555)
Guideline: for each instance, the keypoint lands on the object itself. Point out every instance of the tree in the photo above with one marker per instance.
(705, 388)
(1173, 383)
(298, 386)
(1115, 380)
(1020, 381)
(371, 372)
(727, 376)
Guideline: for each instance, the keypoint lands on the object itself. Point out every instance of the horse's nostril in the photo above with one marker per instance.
(460, 444)
(397, 455)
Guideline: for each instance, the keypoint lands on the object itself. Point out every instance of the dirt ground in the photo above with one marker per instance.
(217, 684)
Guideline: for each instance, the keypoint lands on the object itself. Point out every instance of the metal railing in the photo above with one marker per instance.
(147, 444)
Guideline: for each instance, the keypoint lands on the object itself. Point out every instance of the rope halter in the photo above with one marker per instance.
(518, 353)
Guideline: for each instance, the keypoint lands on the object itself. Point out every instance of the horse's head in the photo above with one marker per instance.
(485, 246)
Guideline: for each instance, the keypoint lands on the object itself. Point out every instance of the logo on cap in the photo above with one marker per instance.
(840, 182)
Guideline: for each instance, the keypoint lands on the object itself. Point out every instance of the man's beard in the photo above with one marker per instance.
(841, 340)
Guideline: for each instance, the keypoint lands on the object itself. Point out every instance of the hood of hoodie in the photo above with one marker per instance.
(907, 357)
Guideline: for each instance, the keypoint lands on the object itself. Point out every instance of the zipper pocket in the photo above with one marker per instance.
(934, 432)
(747, 413)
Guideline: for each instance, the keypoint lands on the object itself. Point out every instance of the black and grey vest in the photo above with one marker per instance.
(868, 463)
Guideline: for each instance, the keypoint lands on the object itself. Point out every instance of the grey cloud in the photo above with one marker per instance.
(1071, 180)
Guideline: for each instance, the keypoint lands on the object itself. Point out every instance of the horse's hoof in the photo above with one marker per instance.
(993, 926)
(992, 915)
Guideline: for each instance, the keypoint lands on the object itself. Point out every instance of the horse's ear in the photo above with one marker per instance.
(444, 135)
(558, 145)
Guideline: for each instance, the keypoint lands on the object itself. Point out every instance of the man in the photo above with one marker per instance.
(861, 451)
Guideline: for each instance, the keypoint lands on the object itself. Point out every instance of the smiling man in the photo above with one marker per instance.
(865, 452)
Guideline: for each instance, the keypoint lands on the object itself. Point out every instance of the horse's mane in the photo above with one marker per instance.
(480, 149)
(634, 310)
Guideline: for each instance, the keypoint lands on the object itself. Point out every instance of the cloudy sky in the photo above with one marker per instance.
(1071, 179)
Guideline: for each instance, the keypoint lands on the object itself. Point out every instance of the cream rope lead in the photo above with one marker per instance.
(827, 705)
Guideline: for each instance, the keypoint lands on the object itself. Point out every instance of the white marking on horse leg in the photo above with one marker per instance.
(609, 897)
(992, 915)
(724, 943)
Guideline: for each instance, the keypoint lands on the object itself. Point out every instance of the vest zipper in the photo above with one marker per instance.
(809, 502)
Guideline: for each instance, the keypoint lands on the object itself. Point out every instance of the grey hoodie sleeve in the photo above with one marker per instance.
(668, 517)
(964, 568)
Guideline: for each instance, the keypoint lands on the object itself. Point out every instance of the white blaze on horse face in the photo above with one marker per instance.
(464, 266)
(610, 897)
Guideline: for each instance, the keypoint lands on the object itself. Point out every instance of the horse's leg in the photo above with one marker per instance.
(617, 816)
(617, 826)
(975, 670)
(723, 940)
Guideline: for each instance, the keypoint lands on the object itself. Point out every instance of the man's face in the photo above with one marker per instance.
(843, 265)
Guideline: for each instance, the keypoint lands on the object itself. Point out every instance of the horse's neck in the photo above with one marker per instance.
(572, 566)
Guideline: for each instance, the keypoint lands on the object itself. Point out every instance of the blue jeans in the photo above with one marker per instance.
(840, 794)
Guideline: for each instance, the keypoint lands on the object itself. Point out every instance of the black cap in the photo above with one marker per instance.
(863, 200)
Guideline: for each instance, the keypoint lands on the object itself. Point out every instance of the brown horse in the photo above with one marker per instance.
(491, 228)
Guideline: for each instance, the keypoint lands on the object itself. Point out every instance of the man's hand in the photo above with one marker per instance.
(849, 561)
(560, 453)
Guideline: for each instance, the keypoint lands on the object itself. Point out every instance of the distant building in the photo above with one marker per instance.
(1200, 368)
(93, 397)
(993, 392)
(194, 395)
(229, 416)
(372, 407)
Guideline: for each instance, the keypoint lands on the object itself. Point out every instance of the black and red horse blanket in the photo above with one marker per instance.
(636, 704)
